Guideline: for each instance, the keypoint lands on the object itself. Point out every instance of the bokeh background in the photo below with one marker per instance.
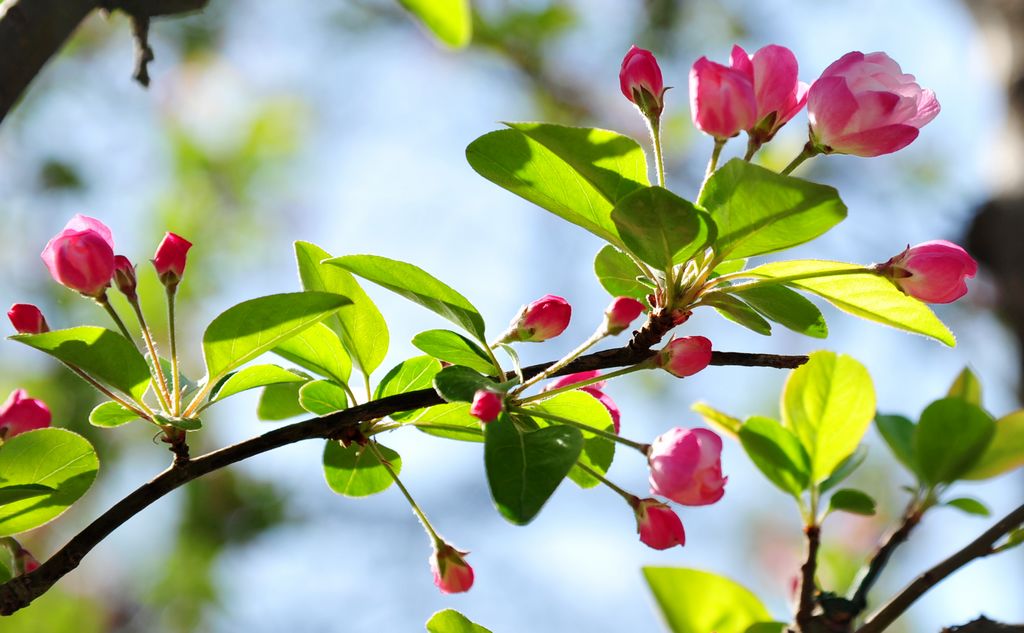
(343, 123)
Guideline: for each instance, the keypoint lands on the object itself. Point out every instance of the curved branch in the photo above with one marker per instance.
(19, 592)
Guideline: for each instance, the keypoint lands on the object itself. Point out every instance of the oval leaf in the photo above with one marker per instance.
(787, 308)
(852, 501)
(243, 332)
(318, 350)
(103, 354)
(56, 458)
(738, 312)
(898, 433)
(598, 452)
(453, 348)
(459, 384)
(110, 414)
(970, 506)
(661, 228)
(10, 494)
(451, 421)
(618, 274)
(451, 21)
(966, 386)
(777, 453)
(417, 286)
(717, 419)
(409, 375)
(1005, 452)
(451, 621)
(950, 438)
(252, 378)
(355, 471)
(695, 601)
(322, 397)
(280, 402)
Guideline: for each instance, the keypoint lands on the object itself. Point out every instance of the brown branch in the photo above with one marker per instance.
(984, 625)
(978, 548)
(19, 592)
(910, 520)
(805, 611)
(33, 31)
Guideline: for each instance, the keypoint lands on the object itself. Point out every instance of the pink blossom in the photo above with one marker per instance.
(545, 318)
(81, 256)
(487, 405)
(659, 527)
(124, 276)
(779, 94)
(21, 413)
(865, 105)
(641, 82)
(686, 466)
(685, 356)
(621, 313)
(169, 259)
(595, 389)
(27, 319)
(934, 272)
(452, 574)
(722, 99)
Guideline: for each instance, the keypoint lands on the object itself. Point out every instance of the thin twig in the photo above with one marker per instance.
(911, 518)
(805, 611)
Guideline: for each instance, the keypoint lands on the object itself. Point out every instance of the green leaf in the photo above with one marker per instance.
(767, 627)
(1005, 452)
(525, 467)
(5, 573)
(361, 326)
(863, 294)
(777, 453)
(738, 312)
(695, 601)
(661, 228)
(758, 211)
(852, 501)
(970, 506)
(787, 308)
(451, 621)
(898, 433)
(618, 274)
(111, 414)
(185, 424)
(966, 386)
(318, 350)
(56, 458)
(829, 403)
(459, 384)
(280, 402)
(322, 397)
(728, 267)
(409, 375)
(718, 420)
(576, 173)
(451, 21)
(451, 421)
(252, 378)
(453, 348)
(18, 492)
(104, 355)
(950, 438)
(243, 332)
(844, 469)
(417, 286)
(598, 452)
(355, 471)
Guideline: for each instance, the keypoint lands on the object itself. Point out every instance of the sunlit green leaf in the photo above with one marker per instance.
(950, 438)
(453, 348)
(852, 501)
(777, 453)
(253, 377)
(970, 506)
(459, 384)
(618, 274)
(111, 414)
(1005, 452)
(966, 386)
(322, 397)
(598, 452)
(693, 601)
(716, 419)
(451, 21)
(18, 492)
(409, 375)
(898, 433)
(787, 308)
(451, 621)
(280, 402)
(355, 471)
(318, 350)
(739, 312)
(451, 421)
(844, 469)
(661, 228)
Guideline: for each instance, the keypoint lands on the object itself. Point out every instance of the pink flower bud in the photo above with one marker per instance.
(641, 82)
(27, 319)
(595, 389)
(685, 356)
(686, 466)
(81, 256)
(169, 260)
(934, 272)
(124, 277)
(487, 405)
(722, 101)
(778, 93)
(659, 527)
(26, 561)
(545, 318)
(452, 574)
(621, 312)
(864, 105)
(21, 413)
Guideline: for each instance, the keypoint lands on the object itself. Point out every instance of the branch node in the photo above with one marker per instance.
(143, 51)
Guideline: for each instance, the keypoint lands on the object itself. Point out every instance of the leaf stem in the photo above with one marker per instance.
(412, 502)
(643, 448)
(145, 415)
(162, 392)
(104, 302)
(764, 281)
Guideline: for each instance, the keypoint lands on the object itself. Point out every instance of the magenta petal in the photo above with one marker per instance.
(85, 223)
(775, 76)
(740, 61)
(830, 106)
(843, 64)
(883, 140)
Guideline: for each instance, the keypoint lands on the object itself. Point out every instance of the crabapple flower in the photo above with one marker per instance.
(934, 272)
(124, 277)
(487, 405)
(27, 319)
(722, 99)
(621, 312)
(778, 93)
(452, 574)
(685, 356)
(21, 413)
(169, 259)
(866, 106)
(659, 527)
(545, 318)
(81, 257)
(641, 82)
(595, 389)
(686, 466)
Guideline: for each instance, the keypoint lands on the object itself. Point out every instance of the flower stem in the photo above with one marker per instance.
(162, 392)
(412, 502)
(654, 125)
(583, 427)
(808, 152)
(145, 415)
(175, 380)
(105, 303)
(713, 162)
(583, 383)
(855, 270)
(752, 147)
(571, 356)
(631, 499)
